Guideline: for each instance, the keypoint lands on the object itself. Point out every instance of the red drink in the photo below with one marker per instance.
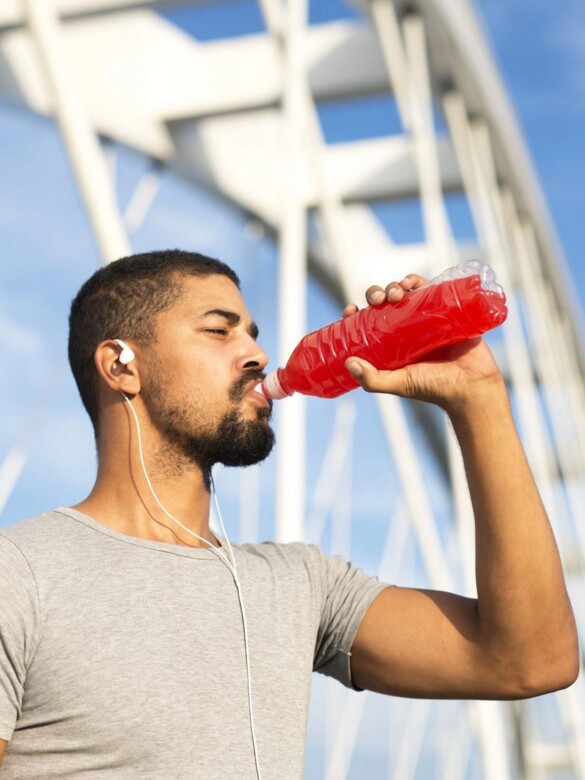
(460, 304)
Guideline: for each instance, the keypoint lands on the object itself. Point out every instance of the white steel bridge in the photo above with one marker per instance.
(241, 117)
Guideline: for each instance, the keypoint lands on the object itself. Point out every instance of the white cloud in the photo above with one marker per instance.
(17, 339)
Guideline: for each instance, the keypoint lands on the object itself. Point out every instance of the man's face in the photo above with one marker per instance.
(199, 379)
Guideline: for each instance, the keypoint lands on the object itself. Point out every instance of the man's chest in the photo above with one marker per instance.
(139, 659)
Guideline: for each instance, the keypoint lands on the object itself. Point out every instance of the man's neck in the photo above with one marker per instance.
(128, 507)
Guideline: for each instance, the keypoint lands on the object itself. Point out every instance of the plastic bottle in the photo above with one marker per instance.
(461, 303)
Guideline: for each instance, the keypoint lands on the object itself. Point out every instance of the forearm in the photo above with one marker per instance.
(524, 615)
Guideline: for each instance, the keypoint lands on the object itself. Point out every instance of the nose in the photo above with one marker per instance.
(253, 356)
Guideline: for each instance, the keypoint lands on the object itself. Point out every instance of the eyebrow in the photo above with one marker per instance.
(233, 319)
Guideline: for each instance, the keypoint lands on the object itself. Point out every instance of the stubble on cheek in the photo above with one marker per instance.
(200, 433)
(179, 423)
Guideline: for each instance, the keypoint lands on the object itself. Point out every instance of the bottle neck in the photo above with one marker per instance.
(274, 385)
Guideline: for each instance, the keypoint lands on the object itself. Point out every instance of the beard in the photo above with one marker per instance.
(239, 442)
(233, 441)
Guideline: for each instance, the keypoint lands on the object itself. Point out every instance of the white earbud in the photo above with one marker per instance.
(126, 355)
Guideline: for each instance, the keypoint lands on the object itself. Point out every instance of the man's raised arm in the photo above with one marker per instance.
(518, 639)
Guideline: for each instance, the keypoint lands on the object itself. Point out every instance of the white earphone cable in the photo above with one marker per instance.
(228, 560)
(245, 627)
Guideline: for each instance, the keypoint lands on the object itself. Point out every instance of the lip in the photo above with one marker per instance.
(256, 396)
(252, 385)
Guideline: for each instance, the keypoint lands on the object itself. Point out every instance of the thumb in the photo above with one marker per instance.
(373, 381)
(365, 373)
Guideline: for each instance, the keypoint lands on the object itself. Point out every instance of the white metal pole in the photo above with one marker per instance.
(292, 279)
(332, 470)
(562, 360)
(415, 726)
(436, 222)
(392, 414)
(352, 708)
(249, 502)
(488, 715)
(529, 408)
(438, 235)
(142, 200)
(88, 161)
(477, 169)
(390, 38)
(497, 223)
(562, 355)
(546, 355)
(10, 471)
(420, 511)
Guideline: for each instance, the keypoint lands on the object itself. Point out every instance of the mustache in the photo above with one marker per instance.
(240, 387)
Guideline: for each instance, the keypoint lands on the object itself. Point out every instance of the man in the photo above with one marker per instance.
(125, 650)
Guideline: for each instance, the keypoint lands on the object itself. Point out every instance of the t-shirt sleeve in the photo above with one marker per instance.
(347, 594)
(19, 622)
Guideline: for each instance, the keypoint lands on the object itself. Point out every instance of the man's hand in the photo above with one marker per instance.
(448, 377)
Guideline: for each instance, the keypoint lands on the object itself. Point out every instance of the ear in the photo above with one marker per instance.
(119, 377)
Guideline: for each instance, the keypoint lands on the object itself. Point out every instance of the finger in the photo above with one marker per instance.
(350, 310)
(412, 282)
(375, 295)
(394, 292)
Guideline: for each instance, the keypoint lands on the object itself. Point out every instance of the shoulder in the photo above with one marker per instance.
(290, 555)
(300, 557)
(35, 531)
(37, 540)
(19, 592)
(289, 564)
(33, 527)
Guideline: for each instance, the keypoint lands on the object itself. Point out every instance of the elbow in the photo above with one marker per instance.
(545, 681)
(538, 676)
(569, 665)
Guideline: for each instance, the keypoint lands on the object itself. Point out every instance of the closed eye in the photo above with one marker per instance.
(217, 331)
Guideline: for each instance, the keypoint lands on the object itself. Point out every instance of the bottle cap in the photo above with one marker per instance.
(271, 387)
(485, 272)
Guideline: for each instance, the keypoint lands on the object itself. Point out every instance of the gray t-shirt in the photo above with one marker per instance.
(124, 658)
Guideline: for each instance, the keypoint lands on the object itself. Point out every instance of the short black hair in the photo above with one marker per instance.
(122, 300)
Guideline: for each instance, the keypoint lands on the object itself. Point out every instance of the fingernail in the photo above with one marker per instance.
(378, 296)
(354, 368)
